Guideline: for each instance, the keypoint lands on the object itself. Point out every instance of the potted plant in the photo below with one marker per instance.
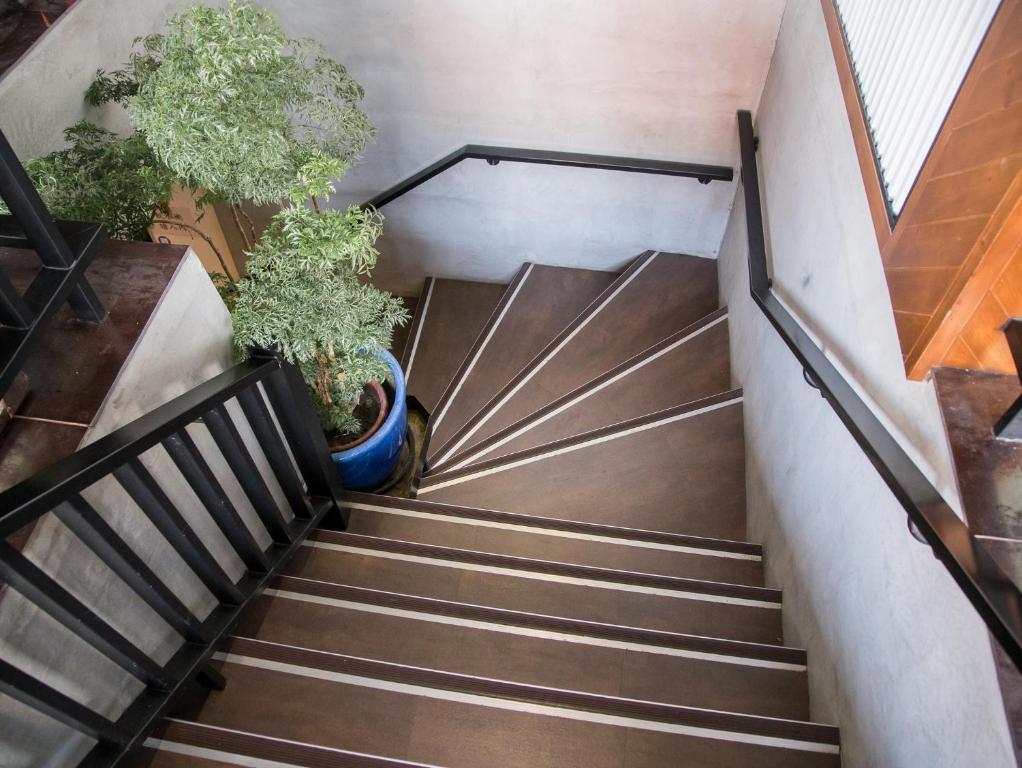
(232, 106)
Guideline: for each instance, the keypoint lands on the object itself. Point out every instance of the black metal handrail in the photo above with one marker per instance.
(64, 248)
(294, 447)
(993, 595)
(494, 155)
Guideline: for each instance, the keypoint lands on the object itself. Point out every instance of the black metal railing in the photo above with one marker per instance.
(278, 410)
(64, 248)
(1009, 425)
(994, 596)
(494, 155)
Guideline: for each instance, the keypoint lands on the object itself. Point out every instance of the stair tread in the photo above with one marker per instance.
(680, 470)
(698, 560)
(293, 618)
(642, 577)
(426, 724)
(448, 318)
(673, 611)
(622, 322)
(537, 304)
(688, 365)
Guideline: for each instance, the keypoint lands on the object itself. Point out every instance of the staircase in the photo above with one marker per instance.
(572, 585)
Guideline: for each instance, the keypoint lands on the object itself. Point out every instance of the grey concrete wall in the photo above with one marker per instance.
(897, 657)
(42, 94)
(626, 77)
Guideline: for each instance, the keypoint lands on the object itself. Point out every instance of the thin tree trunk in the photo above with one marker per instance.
(219, 256)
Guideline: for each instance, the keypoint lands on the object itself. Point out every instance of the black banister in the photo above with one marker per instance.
(493, 155)
(64, 248)
(277, 407)
(994, 596)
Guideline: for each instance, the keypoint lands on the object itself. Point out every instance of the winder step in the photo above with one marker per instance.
(659, 294)
(447, 320)
(537, 304)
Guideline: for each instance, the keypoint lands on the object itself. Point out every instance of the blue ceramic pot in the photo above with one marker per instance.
(368, 464)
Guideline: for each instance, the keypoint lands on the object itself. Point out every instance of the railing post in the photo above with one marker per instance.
(292, 405)
(28, 209)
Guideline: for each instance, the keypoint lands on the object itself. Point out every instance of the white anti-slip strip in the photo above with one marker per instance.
(475, 358)
(585, 395)
(543, 634)
(442, 518)
(525, 380)
(233, 758)
(514, 705)
(576, 447)
(556, 578)
(418, 331)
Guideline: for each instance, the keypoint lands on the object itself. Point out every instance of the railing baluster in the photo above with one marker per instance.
(41, 697)
(50, 246)
(32, 582)
(188, 459)
(78, 515)
(228, 440)
(265, 430)
(145, 492)
(293, 407)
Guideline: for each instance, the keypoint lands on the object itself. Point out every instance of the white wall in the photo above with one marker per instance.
(43, 93)
(626, 77)
(897, 657)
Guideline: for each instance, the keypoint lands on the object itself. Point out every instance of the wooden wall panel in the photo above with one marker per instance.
(958, 230)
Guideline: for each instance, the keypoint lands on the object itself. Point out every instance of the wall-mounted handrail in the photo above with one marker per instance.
(994, 596)
(276, 406)
(493, 155)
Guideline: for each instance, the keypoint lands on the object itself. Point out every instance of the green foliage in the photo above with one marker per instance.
(303, 295)
(105, 178)
(233, 106)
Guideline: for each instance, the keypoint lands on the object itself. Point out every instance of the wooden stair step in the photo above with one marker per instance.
(691, 364)
(687, 606)
(448, 318)
(536, 306)
(657, 295)
(297, 614)
(427, 716)
(680, 470)
(552, 539)
(184, 744)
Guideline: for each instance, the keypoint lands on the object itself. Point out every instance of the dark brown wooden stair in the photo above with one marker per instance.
(601, 546)
(421, 716)
(695, 360)
(659, 294)
(680, 470)
(448, 317)
(572, 585)
(537, 304)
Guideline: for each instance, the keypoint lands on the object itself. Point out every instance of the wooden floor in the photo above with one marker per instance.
(572, 585)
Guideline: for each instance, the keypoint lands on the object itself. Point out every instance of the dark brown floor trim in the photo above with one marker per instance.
(539, 450)
(651, 637)
(481, 686)
(587, 387)
(555, 524)
(495, 317)
(610, 576)
(637, 262)
(421, 309)
(267, 748)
